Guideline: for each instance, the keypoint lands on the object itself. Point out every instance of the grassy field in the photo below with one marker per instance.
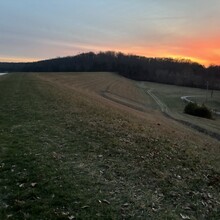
(69, 151)
(171, 96)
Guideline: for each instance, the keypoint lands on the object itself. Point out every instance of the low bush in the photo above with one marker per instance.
(198, 110)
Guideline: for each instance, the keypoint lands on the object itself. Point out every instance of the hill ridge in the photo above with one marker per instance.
(179, 72)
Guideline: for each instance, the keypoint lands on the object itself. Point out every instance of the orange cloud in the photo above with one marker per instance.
(204, 51)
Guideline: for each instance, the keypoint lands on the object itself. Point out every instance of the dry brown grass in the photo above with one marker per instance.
(68, 152)
(125, 96)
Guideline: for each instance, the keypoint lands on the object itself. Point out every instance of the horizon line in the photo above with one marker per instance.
(174, 57)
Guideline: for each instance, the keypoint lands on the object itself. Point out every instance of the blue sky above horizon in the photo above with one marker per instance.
(34, 30)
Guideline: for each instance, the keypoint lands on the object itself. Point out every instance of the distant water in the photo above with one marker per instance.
(1, 74)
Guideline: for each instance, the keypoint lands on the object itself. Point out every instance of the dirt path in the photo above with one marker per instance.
(186, 98)
(2, 74)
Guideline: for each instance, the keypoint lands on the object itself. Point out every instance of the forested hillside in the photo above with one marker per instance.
(162, 70)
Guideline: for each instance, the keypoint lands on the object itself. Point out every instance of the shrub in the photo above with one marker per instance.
(201, 111)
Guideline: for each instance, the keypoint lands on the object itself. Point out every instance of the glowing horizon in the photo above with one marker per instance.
(206, 63)
(187, 29)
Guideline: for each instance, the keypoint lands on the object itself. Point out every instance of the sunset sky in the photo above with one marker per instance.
(40, 29)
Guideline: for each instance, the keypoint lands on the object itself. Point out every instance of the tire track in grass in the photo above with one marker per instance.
(162, 106)
(130, 99)
(123, 101)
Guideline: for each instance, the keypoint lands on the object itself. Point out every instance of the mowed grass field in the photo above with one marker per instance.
(95, 146)
(171, 96)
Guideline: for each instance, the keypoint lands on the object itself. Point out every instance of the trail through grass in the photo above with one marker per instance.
(63, 156)
(170, 96)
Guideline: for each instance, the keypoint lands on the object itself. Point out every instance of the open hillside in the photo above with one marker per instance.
(145, 96)
(96, 146)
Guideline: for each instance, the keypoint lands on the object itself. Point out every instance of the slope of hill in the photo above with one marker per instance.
(67, 152)
(162, 70)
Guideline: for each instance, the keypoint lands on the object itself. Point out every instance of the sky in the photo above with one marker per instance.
(33, 30)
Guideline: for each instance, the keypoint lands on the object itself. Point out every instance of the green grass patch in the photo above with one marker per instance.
(171, 96)
(63, 156)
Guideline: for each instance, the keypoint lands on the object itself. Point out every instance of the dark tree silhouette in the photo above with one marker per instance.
(163, 70)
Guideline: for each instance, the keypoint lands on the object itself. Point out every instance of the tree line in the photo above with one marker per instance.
(162, 70)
